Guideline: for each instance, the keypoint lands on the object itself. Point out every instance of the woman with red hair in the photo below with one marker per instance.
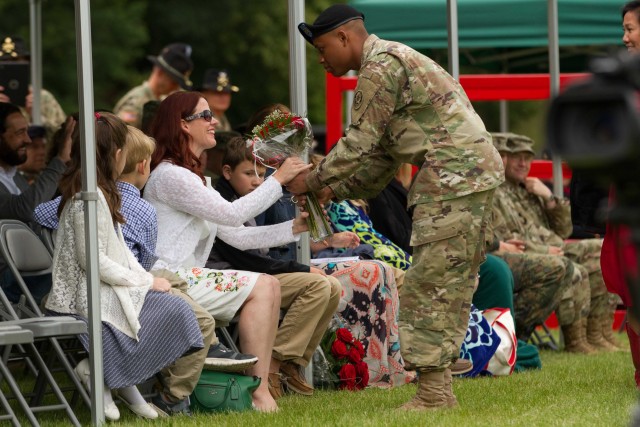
(191, 214)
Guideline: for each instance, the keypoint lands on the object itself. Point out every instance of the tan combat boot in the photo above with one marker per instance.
(452, 401)
(608, 335)
(594, 335)
(430, 394)
(574, 341)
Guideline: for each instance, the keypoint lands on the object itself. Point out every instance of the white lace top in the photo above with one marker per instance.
(190, 215)
(124, 283)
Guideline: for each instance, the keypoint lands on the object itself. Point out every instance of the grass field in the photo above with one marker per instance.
(570, 390)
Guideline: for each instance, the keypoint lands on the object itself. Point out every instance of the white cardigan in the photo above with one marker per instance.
(191, 214)
(124, 283)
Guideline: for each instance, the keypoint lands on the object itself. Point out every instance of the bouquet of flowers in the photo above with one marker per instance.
(282, 135)
(344, 353)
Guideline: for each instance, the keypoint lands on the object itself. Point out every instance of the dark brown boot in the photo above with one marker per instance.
(430, 394)
(452, 401)
(574, 341)
(594, 335)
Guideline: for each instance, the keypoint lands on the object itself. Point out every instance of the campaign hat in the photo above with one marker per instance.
(217, 81)
(330, 19)
(13, 48)
(175, 60)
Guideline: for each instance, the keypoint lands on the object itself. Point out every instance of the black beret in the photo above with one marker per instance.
(332, 17)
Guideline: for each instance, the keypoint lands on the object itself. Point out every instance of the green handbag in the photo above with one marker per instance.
(223, 391)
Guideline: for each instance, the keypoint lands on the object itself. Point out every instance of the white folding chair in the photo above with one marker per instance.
(26, 255)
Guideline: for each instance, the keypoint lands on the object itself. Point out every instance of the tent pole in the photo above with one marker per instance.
(298, 89)
(90, 196)
(554, 82)
(35, 25)
(298, 100)
(452, 37)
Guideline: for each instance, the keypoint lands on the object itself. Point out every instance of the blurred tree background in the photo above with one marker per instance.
(249, 38)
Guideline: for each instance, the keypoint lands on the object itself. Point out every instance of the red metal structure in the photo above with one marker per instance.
(479, 87)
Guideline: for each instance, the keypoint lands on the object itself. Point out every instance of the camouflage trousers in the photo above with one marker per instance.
(448, 242)
(586, 253)
(540, 283)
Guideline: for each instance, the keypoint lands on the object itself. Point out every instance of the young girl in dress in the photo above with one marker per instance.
(144, 327)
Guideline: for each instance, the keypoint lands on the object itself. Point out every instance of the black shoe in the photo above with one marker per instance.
(221, 358)
(166, 409)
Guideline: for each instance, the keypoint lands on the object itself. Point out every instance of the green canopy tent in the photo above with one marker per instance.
(422, 24)
(499, 35)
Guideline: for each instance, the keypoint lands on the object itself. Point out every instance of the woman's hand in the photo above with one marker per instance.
(64, 151)
(300, 223)
(345, 239)
(160, 284)
(290, 168)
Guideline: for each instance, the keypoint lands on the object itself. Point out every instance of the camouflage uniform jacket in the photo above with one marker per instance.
(524, 216)
(51, 112)
(407, 109)
(129, 108)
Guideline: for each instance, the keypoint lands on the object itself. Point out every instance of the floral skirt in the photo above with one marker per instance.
(220, 292)
(369, 309)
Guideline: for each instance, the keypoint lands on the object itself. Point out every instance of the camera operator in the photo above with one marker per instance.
(595, 126)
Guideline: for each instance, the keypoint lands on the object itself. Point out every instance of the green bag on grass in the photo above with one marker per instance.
(223, 391)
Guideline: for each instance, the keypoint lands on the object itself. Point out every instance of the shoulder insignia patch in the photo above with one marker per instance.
(357, 100)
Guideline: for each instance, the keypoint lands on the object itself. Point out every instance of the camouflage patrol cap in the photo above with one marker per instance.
(500, 141)
(332, 17)
(519, 144)
(175, 60)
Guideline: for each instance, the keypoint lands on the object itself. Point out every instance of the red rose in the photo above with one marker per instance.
(344, 334)
(362, 374)
(359, 347)
(339, 349)
(298, 122)
(354, 354)
(347, 376)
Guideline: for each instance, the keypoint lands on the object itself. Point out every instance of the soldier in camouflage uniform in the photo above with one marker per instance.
(407, 109)
(533, 214)
(543, 282)
(171, 71)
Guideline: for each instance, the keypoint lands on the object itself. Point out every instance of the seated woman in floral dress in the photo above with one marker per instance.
(191, 214)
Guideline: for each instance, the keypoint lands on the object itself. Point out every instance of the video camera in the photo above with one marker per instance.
(594, 125)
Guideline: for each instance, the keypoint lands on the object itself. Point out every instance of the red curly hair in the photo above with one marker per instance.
(172, 142)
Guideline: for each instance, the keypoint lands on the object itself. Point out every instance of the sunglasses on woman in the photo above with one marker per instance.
(206, 114)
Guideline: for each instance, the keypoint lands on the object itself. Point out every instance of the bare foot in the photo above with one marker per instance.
(263, 402)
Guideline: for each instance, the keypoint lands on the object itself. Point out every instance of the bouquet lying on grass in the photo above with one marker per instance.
(283, 135)
(344, 354)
